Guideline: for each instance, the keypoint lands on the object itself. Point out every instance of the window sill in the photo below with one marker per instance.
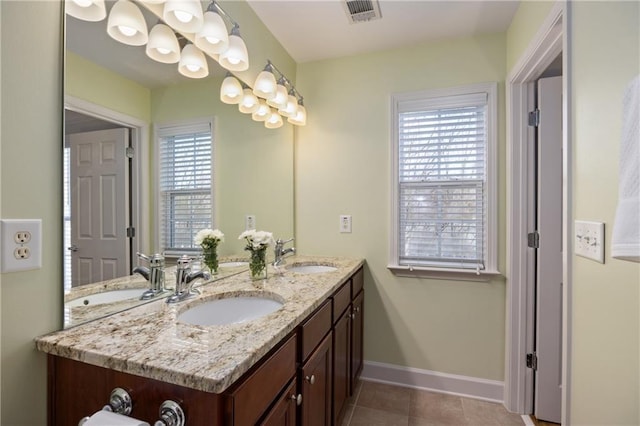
(442, 273)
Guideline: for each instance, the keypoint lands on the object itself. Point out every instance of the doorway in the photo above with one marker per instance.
(546, 46)
(121, 140)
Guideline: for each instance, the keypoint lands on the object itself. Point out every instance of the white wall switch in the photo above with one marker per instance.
(21, 244)
(589, 240)
(345, 223)
(249, 222)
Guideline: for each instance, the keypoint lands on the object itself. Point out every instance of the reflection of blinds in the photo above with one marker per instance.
(67, 220)
(186, 204)
(442, 176)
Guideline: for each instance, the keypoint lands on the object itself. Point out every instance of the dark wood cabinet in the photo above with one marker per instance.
(357, 338)
(305, 380)
(341, 364)
(315, 377)
(285, 409)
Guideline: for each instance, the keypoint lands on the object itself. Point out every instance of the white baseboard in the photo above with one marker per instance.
(471, 387)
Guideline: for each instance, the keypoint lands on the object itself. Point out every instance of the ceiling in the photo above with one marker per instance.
(309, 30)
(319, 29)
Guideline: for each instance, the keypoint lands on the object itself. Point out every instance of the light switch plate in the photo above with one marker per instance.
(589, 240)
(345, 223)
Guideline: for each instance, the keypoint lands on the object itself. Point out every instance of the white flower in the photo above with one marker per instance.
(257, 239)
(212, 234)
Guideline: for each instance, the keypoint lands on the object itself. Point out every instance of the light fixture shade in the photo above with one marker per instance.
(213, 37)
(153, 1)
(291, 108)
(265, 84)
(300, 118)
(183, 15)
(193, 64)
(126, 24)
(87, 10)
(231, 90)
(279, 99)
(249, 103)
(273, 121)
(263, 111)
(163, 45)
(235, 58)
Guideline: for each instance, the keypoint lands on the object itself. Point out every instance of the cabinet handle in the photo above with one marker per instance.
(311, 379)
(297, 399)
(352, 316)
(357, 309)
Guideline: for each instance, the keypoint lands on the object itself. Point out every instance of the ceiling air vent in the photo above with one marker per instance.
(362, 10)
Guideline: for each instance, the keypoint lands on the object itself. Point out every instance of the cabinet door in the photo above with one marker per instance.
(357, 336)
(284, 411)
(341, 364)
(316, 386)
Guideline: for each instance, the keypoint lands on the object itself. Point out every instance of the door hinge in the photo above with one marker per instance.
(534, 118)
(131, 232)
(533, 239)
(532, 361)
(130, 152)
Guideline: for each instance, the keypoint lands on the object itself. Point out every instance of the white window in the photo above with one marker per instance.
(185, 175)
(444, 181)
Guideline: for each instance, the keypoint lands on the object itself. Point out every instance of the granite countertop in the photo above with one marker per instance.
(75, 315)
(148, 340)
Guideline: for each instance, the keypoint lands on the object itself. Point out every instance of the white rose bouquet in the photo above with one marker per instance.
(209, 239)
(257, 243)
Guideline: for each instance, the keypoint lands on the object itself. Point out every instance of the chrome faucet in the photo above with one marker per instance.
(281, 252)
(185, 279)
(154, 274)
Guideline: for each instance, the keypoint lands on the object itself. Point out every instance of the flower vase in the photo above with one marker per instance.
(211, 259)
(258, 264)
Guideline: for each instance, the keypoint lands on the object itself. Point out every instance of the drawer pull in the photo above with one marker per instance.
(311, 379)
(297, 399)
(357, 309)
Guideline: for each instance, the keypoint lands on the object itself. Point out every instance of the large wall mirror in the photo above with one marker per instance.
(115, 99)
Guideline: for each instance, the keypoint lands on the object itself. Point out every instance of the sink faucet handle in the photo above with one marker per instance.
(143, 256)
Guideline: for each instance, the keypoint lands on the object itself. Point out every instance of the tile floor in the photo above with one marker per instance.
(376, 404)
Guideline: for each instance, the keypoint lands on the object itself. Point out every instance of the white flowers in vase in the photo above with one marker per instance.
(209, 239)
(257, 243)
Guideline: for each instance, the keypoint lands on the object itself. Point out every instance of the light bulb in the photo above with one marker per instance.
(193, 67)
(83, 3)
(127, 31)
(183, 16)
(163, 51)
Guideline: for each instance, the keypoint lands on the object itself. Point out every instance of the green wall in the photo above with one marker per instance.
(30, 182)
(343, 167)
(605, 56)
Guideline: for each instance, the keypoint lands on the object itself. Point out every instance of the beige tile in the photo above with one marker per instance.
(348, 412)
(363, 416)
(356, 392)
(482, 413)
(383, 397)
(430, 408)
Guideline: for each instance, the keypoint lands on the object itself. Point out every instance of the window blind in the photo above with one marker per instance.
(442, 179)
(186, 203)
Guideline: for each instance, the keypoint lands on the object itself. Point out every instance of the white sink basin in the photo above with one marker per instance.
(231, 310)
(311, 269)
(106, 297)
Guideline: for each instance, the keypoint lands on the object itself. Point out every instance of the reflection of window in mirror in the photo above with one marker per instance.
(185, 196)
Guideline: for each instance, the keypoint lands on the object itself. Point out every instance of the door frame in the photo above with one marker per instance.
(140, 177)
(550, 40)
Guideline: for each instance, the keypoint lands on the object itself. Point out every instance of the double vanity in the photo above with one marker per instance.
(282, 351)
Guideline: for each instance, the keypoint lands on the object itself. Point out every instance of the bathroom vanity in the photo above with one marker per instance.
(295, 366)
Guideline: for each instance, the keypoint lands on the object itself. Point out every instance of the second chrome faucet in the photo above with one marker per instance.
(280, 252)
(185, 279)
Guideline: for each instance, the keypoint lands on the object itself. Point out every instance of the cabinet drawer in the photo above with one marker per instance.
(247, 402)
(341, 300)
(357, 282)
(315, 328)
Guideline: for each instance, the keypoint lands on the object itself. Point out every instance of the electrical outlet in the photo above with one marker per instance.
(345, 223)
(249, 222)
(589, 240)
(21, 244)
